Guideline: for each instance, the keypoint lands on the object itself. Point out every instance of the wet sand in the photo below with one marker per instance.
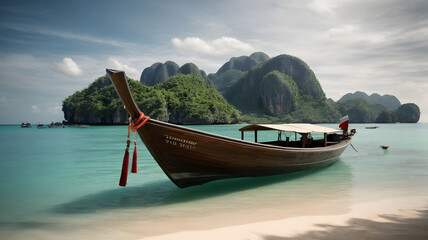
(402, 218)
(390, 218)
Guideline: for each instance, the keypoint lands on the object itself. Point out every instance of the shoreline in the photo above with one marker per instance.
(392, 218)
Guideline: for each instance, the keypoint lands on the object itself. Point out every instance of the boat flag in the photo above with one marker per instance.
(344, 122)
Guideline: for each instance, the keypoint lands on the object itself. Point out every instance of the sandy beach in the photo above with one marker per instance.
(392, 218)
(397, 218)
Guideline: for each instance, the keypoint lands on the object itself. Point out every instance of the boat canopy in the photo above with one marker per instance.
(292, 127)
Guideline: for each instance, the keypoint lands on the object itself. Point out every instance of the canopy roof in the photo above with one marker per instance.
(293, 127)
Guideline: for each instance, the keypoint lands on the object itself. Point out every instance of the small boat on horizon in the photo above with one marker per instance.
(190, 157)
(25, 125)
(372, 127)
(56, 124)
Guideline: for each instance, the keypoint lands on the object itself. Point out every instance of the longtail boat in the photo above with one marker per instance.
(190, 157)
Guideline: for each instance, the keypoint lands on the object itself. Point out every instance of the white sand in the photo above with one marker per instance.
(399, 207)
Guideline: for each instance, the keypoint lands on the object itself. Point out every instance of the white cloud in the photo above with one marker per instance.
(35, 109)
(322, 7)
(69, 67)
(343, 29)
(353, 33)
(217, 47)
(130, 71)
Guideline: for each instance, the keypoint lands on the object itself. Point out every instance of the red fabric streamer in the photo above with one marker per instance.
(125, 166)
(134, 159)
(133, 127)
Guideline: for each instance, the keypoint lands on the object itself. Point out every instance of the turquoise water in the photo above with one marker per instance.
(57, 179)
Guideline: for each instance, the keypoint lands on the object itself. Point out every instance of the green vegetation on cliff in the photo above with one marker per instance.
(183, 99)
(315, 110)
(390, 102)
(233, 70)
(408, 113)
(191, 100)
(226, 79)
(299, 72)
(360, 110)
(386, 116)
(92, 104)
(100, 104)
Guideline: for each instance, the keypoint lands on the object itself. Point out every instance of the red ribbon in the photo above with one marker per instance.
(125, 165)
(134, 159)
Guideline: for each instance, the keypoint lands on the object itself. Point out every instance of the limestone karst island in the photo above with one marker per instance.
(253, 88)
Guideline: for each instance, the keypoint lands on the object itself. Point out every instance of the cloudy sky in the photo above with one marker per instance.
(50, 49)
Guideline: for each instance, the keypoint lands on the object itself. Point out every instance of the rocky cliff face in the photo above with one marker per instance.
(79, 117)
(298, 70)
(278, 93)
(408, 113)
(274, 87)
(158, 73)
(235, 69)
(260, 57)
(389, 101)
(192, 69)
(242, 63)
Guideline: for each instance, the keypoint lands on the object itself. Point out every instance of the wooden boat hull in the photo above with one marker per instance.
(190, 157)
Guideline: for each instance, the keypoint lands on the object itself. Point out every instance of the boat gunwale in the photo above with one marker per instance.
(336, 146)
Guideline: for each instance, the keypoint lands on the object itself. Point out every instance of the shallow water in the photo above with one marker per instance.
(57, 179)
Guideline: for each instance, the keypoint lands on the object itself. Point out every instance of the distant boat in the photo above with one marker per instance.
(373, 127)
(384, 147)
(25, 125)
(57, 124)
(40, 125)
(191, 157)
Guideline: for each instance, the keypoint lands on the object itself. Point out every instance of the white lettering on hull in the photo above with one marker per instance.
(180, 142)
